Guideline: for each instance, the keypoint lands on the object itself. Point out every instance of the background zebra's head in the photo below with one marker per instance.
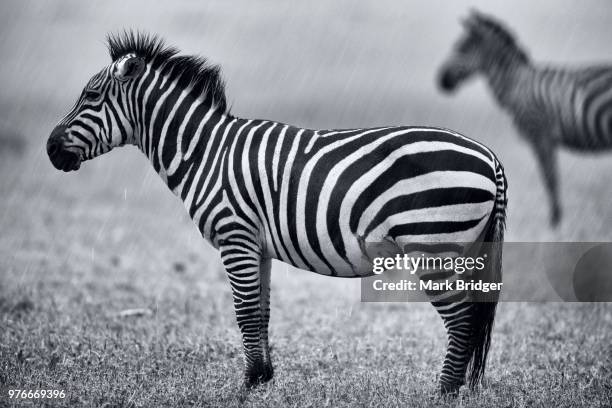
(101, 117)
(485, 45)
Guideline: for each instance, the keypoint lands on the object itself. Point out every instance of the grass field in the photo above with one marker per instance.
(78, 249)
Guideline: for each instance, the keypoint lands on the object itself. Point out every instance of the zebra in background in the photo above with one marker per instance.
(260, 190)
(551, 107)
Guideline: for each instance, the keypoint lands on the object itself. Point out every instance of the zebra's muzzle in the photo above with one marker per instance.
(447, 81)
(61, 158)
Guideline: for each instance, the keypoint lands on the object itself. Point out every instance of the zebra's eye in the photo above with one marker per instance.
(92, 95)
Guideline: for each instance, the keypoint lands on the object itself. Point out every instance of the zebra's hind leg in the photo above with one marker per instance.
(457, 317)
(455, 309)
(468, 317)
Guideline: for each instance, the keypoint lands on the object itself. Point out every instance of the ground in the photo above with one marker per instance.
(108, 292)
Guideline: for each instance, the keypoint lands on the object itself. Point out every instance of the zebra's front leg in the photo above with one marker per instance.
(547, 159)
(265, 272)
(249, 278)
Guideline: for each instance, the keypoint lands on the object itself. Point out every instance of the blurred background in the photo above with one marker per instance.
(315, 64)
(111, 237)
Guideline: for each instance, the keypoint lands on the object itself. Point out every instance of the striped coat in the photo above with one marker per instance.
(551, 107)
(260, 190)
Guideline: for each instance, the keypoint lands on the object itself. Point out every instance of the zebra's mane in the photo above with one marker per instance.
(191, 70)
(493, 29)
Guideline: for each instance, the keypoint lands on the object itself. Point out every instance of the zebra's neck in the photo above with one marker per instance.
(177, 137)
(504, 74)
(185, 141)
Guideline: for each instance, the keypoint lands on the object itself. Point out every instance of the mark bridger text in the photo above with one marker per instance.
(448, 285)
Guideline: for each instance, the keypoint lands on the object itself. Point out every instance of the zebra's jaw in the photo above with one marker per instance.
(64, 159)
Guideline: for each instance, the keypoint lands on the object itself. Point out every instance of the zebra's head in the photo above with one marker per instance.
(484, 45)
(112, 108)
(100, 119)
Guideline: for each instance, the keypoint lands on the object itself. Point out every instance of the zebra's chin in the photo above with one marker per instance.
(66, 161)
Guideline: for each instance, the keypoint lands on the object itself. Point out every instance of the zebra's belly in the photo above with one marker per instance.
(596, 140)
(351, 252)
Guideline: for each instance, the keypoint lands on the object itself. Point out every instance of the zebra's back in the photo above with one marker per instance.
(577, 104)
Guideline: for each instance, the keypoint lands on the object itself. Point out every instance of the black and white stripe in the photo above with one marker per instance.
(261, 190)
(551, 107)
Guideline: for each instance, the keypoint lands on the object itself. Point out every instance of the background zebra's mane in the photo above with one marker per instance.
(492, 29)
(191, 70)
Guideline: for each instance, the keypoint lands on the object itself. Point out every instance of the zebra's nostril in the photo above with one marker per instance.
(446, 81)
(56, 140)
(52, 147)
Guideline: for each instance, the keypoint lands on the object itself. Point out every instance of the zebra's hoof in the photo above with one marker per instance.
(258, 374)
(450, 390)
(555, 218)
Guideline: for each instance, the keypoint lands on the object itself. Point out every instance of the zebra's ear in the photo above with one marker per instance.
(128, 67)
(471, 20)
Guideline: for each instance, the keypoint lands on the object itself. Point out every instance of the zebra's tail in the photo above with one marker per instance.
(483, 310)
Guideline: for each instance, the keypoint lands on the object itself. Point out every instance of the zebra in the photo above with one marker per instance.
(260, 190)
(550, 107)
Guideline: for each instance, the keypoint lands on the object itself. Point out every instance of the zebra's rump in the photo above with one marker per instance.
(594, 106)
(398, 184)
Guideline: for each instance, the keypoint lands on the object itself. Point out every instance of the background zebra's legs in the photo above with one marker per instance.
(265, 272)
(546, 153)
(245, 272)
